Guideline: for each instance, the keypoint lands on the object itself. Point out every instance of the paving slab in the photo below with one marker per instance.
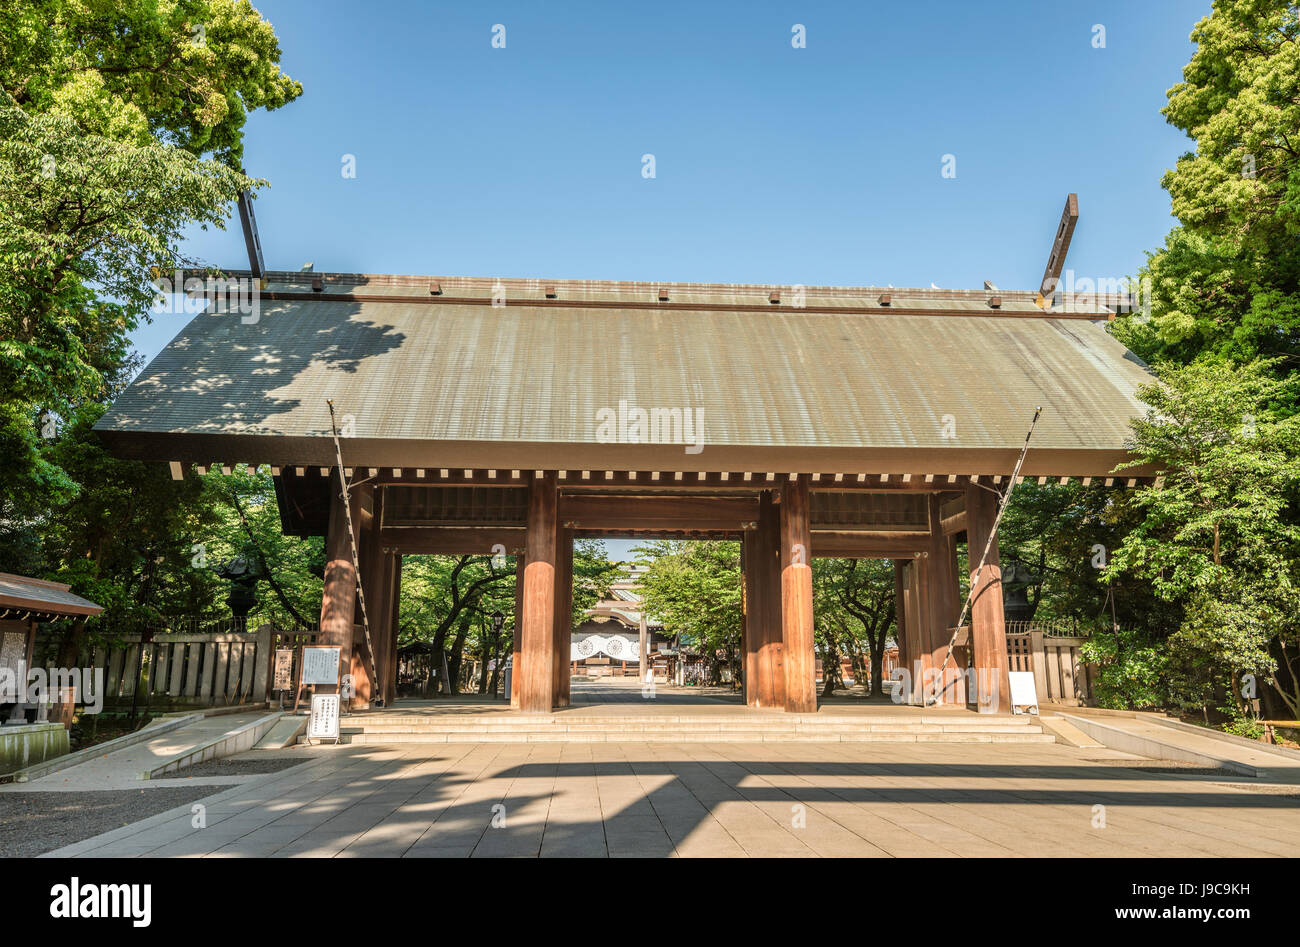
(731, 797)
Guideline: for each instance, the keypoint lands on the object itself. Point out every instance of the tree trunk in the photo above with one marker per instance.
(496, 663)
(63, 706)
(830, 667)
(856, 662)
(457, 651)
(486, 655)
(877, 672)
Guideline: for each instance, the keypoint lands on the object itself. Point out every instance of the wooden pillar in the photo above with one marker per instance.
(394, 628)
(643, 639)
(796, 598)
(366, 522)
(563, 617)
(382, 624)
(988, 627)
(537, 647)
(765, 685)
(748, 653)
(918, 637)
(339, 591)
(518, 636)
(900, 612)
(943, 606)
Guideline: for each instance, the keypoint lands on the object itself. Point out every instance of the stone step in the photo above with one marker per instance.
(670, 728)
(732, 726)
(767, 736)
(565, 721)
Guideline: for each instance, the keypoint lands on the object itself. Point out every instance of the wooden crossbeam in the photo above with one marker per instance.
(1060, 246)
(252, 239)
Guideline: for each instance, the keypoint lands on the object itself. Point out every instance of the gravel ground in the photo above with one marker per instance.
(233, 767)
(32, 823)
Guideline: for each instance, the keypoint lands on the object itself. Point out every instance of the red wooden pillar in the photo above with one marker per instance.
(382, 624)
(942, 607)
(366, 522)
(748, 652)
(918, 637)
(988, 627)
(395, 625)
(764, 635)
(900, 613)
(537, 647)
(563, 617)
(518, 637)
(339, 592)
(796, 598)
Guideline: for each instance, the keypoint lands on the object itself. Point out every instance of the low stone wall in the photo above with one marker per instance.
(27, 744)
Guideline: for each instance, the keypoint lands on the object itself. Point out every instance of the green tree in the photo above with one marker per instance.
(1203, 585)
(855, 611)
(1227, 281)
(694, 588)
(247, 523)
(107, 108)
(593, 574)
(183, 73)
(1218, 533)
(450, 602)
(1064, 535)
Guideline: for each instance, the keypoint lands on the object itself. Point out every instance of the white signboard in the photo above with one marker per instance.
(320, 664)
(1023, 691)
(283, 678)
(324, 721)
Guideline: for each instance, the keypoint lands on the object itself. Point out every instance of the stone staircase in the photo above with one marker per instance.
(575, 726)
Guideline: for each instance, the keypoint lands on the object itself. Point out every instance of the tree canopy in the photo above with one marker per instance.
(121, 126)
(1227, 281)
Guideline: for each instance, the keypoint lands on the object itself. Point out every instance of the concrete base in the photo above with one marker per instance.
(28, 744)
(284, 733)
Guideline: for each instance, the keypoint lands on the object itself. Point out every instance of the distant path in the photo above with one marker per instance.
(627, 690)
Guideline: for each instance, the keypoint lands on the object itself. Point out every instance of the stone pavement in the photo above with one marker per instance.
(728, 799)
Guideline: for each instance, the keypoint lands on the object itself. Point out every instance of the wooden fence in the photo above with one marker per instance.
(170, 671)
(1060, 674)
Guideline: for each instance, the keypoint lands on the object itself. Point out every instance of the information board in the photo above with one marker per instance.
(1023, 691)
(320, 664)
(324, 721)
(282, 680)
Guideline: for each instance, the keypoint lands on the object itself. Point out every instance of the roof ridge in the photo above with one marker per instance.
(421, 280)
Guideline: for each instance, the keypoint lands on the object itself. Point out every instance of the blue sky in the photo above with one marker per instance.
(819, 165)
